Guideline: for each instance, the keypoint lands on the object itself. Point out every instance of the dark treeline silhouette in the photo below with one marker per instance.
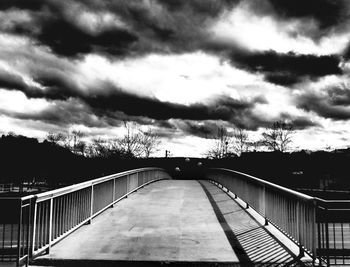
(298, 170)
(24, 159)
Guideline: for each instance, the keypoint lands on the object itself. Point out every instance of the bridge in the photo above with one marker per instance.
(144, 217)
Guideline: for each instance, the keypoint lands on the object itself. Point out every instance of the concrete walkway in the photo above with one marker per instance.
(172, 221)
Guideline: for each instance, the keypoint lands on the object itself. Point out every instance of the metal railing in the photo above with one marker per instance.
(319, 227)
(291, 212)
(333, 224)
(37, 222)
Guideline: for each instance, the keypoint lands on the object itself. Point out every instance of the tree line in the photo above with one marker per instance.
(135, 143)
(233, 143)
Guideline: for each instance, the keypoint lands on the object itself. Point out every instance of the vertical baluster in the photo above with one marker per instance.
(334, 233)
(92, 202)
(67, 212)
(75, 210)
(113, 192)
(34, 227)
(50, 223)
(342, 238)
(55, 218)
(70, 195)
(40, 224)
(60, 215)
(24, 228)
(72, 208)
(83, 201)
(66, 208)
(19, 234)
(45, 223)
(79, 206)
(63, 217)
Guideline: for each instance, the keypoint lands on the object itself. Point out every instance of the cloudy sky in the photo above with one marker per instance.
(181, 67)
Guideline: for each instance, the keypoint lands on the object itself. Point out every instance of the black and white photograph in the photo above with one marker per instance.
(174, 133)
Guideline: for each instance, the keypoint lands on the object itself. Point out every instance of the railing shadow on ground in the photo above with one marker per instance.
(321, 228)
(34, 223)
(260, 247)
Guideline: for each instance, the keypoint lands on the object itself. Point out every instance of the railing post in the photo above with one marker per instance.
(113, 192)
(91, 203)
(299, 226)
(19, 234)
(50, 225)
(327, 239)
(30, 234)
(314, 229)
(34, 226)
(264, 205)
(127, 185)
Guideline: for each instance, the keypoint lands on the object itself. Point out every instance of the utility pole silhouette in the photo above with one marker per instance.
(167, 153)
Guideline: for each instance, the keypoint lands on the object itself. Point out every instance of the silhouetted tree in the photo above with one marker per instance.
(221, 144)
(278, 137)
(130, 144)
(100, 148)
(240, 141)
(150, 142)
(57, 138)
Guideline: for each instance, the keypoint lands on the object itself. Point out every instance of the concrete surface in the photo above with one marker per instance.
(168, 221)
(176, 222)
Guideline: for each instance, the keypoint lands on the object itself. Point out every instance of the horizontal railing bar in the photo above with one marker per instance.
(271, 185)
(72, 188)
(17, 197)
(345, 201)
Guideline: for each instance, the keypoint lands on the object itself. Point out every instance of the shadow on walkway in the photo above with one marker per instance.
(252, 243)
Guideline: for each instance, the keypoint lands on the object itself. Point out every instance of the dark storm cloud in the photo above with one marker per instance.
(55, 27)
(67, 39)
(63, 114)
(297, 122)
(333, 105)
(11, 81)
(23, 4)
(219, 109)
(286, 68)
(327, 13)
(301, 123)
(346, 53)
(203, 129)
(154, 26)
(60, 87)
(206, 7)
(159, 26)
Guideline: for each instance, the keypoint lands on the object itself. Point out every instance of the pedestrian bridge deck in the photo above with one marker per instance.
(175, 221)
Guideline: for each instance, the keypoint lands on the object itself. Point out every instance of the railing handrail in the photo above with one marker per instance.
(269, 184)
(75, 187)
(332, 200)
(44, 219)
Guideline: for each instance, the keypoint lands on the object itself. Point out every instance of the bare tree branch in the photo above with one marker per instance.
(149, 142)
(240, 141)
(279, 137)
(130, 143)
(221, 144)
